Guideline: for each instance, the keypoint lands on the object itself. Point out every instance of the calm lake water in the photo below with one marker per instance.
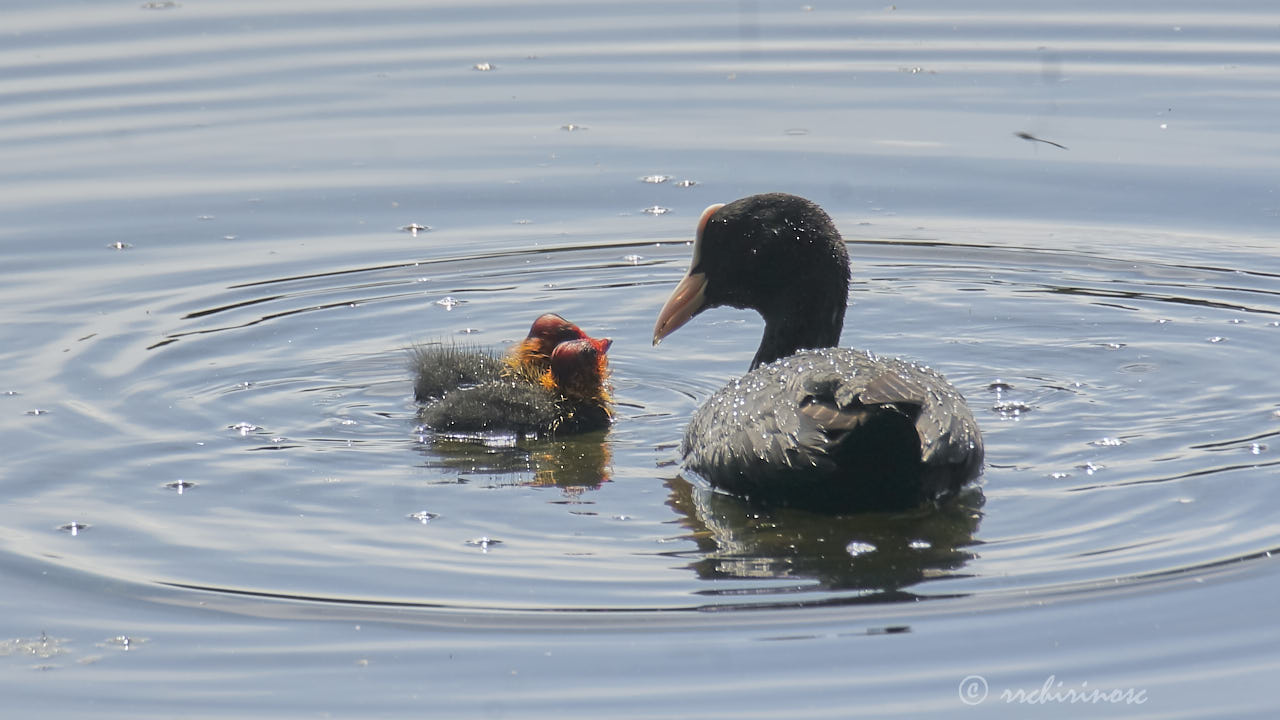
(217, 501)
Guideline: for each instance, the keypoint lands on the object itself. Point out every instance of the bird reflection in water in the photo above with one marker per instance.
(880, 554)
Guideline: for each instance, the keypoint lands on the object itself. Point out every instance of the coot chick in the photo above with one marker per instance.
(811, 425)
(441, 368)
(569, 397)
(531, 357)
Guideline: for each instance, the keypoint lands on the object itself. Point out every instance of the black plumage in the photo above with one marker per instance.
(812, 425)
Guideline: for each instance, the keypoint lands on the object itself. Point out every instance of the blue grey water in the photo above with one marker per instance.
(215, 500)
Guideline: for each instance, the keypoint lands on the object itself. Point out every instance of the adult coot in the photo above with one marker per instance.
(545, 385)
(811, 425)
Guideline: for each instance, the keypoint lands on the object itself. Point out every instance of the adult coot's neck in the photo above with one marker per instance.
(805, 330)
(782, 256)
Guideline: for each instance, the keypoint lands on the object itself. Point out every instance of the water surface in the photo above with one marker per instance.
(218, 501)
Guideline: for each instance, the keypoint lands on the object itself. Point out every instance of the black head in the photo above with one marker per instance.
(777, 254)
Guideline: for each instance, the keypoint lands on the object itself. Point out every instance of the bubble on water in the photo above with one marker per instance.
(685, 183)
(571, 127)
(654, 179)
(448, 302)
(633, 259)
(244, 428)
(415, 228)
(1217, 339)
(159, 5)
(229, 237)
(423, 516)
(999, 386)
(1185, 501)
(1059, 475)
(180, 486)
(484, 543)
(920, 545)
(468, 331)
(74, 528)
(484, 67)
(10, 393)
(1235, 321)
(37, 411)
(119, 245)
(1090, 468)
(858, 547)
(1107, 442)
(656, 210)
(205, 218)
(796, 131)
(1112, 345)
(1257, 448)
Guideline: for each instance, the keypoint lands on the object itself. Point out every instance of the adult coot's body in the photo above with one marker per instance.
(812, 425)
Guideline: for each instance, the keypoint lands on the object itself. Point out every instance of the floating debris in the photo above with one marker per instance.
(1032, 138)
(43, 647)
(244, 428)
(415, 228)
(1012, 408)
(999, 386)
(484, 543)
(180, 486)
(857, 548)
